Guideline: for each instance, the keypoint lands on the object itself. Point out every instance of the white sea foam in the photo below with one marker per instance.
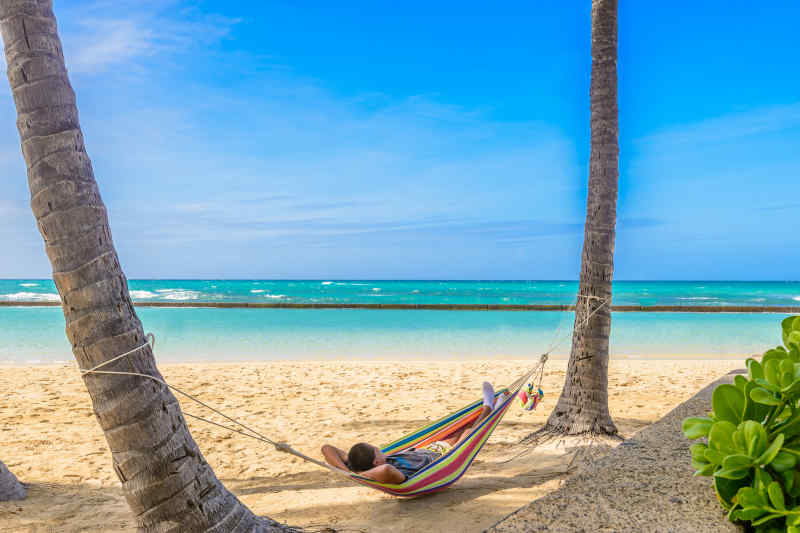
(376, 289)
(697, 298)
(796, 298)
(30, 296)
(415, 291)
(327, 282)
(180, 294)
(274, 296)
(142, 295)
(257, 291)
(28, 284)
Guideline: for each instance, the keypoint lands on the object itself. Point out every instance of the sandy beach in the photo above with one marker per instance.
(50, 440)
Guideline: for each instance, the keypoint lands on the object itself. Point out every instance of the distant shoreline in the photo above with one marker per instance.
(444, 307)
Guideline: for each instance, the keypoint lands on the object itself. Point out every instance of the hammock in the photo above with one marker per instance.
(436, 476)
(451, 466)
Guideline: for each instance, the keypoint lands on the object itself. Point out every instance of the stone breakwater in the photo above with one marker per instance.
(447, 307)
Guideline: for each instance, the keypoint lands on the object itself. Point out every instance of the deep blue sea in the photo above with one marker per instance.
(29, 335)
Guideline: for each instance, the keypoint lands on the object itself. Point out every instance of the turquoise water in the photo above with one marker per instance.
(29, 335)
(430, 292)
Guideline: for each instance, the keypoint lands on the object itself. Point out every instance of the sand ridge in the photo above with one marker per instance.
(51, 441)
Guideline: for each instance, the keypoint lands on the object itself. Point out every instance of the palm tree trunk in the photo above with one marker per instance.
(583, 405)
(168, 484)
(10, 487)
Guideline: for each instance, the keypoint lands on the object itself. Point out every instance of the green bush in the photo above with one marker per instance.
(753, 439)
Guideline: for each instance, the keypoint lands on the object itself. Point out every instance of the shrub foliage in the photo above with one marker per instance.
(752, 439)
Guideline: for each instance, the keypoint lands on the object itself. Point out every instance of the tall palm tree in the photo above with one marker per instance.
(10, 487)
(168, 484)
(583, 405)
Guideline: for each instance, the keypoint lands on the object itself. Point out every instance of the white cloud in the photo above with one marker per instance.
(100, 36)
(729, 126)
(108, 42)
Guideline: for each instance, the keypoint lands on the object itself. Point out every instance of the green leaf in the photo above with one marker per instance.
(749, 497)
(737, 462)
(696, 427)
(754, 369)
(727, 489)
(740, 382)
(739, 444)
(773, 449)
(776, 495)
(794, 339)
(714, 457)
(731, 473)
(763, 396)
(766, 519)
(783, 461)
(788, 480)
(786, 380)
(794, 519)
(749, 513)
(791, 427)
(698, 451)
(755, 437)
(720, 437)
(787, 327)
(752, 409)
(706, 470)
(792, 529)
(762, 479)
(766, 384)
(771, 372)
(728, 403)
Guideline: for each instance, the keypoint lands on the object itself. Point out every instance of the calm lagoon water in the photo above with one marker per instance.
(36, 335)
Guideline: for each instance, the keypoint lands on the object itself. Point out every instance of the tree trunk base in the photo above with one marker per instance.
(10, 487)
(551, 432)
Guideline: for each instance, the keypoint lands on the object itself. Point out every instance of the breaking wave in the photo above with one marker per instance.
(31, 297)
(143, 295)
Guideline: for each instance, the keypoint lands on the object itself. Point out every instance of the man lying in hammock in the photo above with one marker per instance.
(368, 460)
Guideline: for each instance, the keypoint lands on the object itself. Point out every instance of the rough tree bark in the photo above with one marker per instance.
(10, 487)
(168, 484)
(583, 405)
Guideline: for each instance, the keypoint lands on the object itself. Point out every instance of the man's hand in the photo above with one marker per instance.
(335, 457)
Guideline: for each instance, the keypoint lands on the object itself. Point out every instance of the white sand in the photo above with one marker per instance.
(51, 441)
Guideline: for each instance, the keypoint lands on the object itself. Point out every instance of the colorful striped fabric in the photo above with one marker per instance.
(450, 467)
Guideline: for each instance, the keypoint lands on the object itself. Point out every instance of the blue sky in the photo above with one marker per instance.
(356, 140)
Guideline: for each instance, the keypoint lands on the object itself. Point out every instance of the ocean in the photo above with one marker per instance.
(36, 334)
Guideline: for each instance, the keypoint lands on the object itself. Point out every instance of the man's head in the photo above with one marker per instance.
(363, 456)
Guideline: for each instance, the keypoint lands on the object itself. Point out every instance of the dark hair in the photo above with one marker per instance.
(361, 457)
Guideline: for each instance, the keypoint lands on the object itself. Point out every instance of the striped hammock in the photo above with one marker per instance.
(436, 476)
(451, 466)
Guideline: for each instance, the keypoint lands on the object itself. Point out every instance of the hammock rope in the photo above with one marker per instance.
(436, 476)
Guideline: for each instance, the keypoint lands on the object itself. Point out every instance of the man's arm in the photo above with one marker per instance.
(335, 456)
(384, 473)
